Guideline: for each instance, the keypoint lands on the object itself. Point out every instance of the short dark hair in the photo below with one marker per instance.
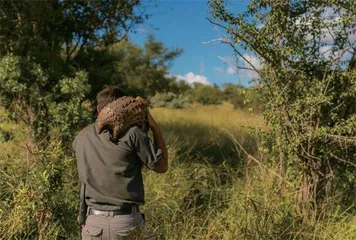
(107, 95)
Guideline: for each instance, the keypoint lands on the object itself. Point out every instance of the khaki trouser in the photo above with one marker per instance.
(122, 227)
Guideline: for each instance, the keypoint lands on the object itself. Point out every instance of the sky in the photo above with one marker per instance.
(183, 24)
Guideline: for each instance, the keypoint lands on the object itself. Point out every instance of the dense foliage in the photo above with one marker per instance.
(307, 84)
(39, 199)
(206, 94)
(170, 100)
(224, 183)
(45, 29)
(138, 70)
(242, 97)
(25, 92)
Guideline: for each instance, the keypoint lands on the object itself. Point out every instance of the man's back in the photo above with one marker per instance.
(112, 171)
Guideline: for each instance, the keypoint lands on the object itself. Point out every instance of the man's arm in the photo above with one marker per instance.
(162, 165)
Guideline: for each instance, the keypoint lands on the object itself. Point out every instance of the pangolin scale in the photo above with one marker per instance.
(120, 115)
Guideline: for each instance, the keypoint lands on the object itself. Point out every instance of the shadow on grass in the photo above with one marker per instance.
(203, 143)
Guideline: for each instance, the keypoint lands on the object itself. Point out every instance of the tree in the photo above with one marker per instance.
(39, 28)
(54, 33)
(24, 93)
(138, 70)
(41, 44)
(234, 94)
(206, 94)
(147, 68)
(307, 83)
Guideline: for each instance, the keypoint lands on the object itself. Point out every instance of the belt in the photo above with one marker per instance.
(122, 211)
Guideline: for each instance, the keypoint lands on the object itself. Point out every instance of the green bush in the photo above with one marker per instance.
(206, 94)
(38, 197)
(26, 91)
(309, 97)
(170, 100)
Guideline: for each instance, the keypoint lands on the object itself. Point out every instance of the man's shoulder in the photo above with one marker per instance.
(88, 129)
(135, 134)
(135, 130)
(84, 132)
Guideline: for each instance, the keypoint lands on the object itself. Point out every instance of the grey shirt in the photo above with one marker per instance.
(112, 171)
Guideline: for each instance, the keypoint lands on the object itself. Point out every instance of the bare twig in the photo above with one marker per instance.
(344, 138)
(255, 160)
(343, 160)
(74, 48)
(222, 40)
(6, 175)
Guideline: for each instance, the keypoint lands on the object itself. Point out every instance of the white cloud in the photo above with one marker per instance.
(219, 70)
(329, 14)
(191, 78)
(142, 29)
(332, 21)
(248, 75)
(261, 25)
(231, 68)
(325, 51)
(255, 61)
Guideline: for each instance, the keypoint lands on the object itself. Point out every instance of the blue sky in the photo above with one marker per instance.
(183, 24)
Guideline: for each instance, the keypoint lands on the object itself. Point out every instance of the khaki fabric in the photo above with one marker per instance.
(123, 227)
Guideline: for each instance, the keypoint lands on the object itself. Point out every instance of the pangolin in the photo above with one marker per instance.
(120, 115)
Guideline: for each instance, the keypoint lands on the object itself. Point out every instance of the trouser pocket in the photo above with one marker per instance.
(129, 235)
(92, 233)
(142, 232)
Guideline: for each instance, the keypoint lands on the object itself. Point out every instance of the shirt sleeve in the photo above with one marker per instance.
(74, 144)
(144, 147)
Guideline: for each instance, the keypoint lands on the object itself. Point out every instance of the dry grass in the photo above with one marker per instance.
(211, 191)
(217, 116)
(202, 133)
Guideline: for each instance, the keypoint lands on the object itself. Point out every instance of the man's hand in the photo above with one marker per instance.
(141, 100)
(151, 122)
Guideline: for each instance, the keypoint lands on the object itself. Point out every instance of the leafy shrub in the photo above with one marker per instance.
(206, 94)
(308, 93)
(41, 102)
(38, 197)
(170, 100)
(243, 98)
(4, 135)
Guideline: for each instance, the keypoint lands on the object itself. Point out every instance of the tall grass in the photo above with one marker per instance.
(203, 201)
(211, 190)
(201, 131)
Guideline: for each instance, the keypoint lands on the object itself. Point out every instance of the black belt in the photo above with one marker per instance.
(122, 211)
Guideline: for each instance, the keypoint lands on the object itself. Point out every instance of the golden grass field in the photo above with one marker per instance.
(211, 190)
(224, 116)
(207, 131)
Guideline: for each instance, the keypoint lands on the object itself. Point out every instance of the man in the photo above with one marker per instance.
(110, 173)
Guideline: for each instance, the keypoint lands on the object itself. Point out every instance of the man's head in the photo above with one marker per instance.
(107, 95)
